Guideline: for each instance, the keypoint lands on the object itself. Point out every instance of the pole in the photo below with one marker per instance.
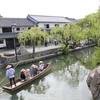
(13, 27)
(15, 48)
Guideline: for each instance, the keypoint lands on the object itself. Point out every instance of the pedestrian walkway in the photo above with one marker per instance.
(30, 49)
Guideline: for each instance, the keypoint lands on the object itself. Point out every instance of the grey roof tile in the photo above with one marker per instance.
(7, 22)
(42, 18)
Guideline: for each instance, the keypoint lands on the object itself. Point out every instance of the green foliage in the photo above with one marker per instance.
(64, 49)
(96, 56)
(1, 16)
(35, 35)
(69, 32)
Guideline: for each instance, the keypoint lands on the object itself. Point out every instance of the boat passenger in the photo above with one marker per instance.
(10, 73)
(41, 65)
(36, 69)
(32, 70)
(22, 75)
(27, 74)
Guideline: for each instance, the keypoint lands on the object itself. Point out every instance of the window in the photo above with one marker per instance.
(1, 41)
(18, 29)
(6, 29)
(56, 24)
(46, 25)
(29, 28)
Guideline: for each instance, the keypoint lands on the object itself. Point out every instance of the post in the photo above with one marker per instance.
(13, 28)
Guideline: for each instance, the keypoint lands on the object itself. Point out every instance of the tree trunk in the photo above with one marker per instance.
(33, 55)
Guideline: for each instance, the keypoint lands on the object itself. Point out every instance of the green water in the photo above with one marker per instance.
(65, 81)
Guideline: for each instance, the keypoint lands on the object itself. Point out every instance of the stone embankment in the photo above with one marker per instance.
(26, 57)
(93, 82)
(44, 54)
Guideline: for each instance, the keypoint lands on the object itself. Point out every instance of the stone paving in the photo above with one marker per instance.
(30, 49)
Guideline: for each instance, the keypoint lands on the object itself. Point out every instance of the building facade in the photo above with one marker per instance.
(7, 34)
(47, 22)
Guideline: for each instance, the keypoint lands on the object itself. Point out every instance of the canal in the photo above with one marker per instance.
(66, 79)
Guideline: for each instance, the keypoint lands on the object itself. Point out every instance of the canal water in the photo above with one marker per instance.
(66, 79)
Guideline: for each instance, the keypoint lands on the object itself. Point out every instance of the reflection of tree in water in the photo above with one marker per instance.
(39, 88)
(83, 56)
(71, 75)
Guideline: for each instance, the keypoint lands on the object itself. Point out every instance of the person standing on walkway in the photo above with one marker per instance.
(10, 73)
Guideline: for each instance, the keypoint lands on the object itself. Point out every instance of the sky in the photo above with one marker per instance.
(67, 8)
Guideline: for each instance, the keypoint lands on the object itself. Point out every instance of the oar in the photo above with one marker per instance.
(14, 68)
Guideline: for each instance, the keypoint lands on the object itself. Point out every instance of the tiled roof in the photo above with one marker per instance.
(7, 22)
(42, 18)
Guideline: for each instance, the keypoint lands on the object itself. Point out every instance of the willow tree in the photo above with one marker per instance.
(74, 31)
(57, 34)
(91, 25)
(68, 32)
(35, 35)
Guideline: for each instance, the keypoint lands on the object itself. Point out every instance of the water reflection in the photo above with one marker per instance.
(39, 88)
(72, 75)
(60, 85)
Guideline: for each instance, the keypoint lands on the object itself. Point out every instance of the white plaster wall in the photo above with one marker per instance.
(0, 30)
(41, 25)
(51, 25)
(22, 29)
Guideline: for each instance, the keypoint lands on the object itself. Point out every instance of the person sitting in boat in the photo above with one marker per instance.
(22, 75)
(27, 74)
(10, 73)
(32, 70)
(36, 69)
(41, 65)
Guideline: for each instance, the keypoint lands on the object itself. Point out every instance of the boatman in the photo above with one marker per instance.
(10, 73)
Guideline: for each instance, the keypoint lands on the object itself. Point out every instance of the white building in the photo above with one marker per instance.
(48, 22)
(7, 35)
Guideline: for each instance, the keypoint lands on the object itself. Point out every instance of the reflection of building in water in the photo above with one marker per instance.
(72, 75)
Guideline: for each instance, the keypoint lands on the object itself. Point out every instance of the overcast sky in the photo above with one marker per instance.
(67, 8)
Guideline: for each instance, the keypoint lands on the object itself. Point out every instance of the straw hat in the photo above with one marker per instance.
(41, 62)
(8, 66)
(33, 65)
(23, 70)
(36, 66)
(27, 70)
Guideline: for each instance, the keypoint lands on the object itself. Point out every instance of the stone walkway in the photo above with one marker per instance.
(30, 49)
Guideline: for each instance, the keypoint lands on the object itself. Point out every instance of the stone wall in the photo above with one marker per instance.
(51, 52)
(93, 82)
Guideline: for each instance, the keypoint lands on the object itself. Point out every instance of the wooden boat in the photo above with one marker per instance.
(20, 83)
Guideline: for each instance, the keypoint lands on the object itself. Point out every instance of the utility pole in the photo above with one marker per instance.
(13, 29)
